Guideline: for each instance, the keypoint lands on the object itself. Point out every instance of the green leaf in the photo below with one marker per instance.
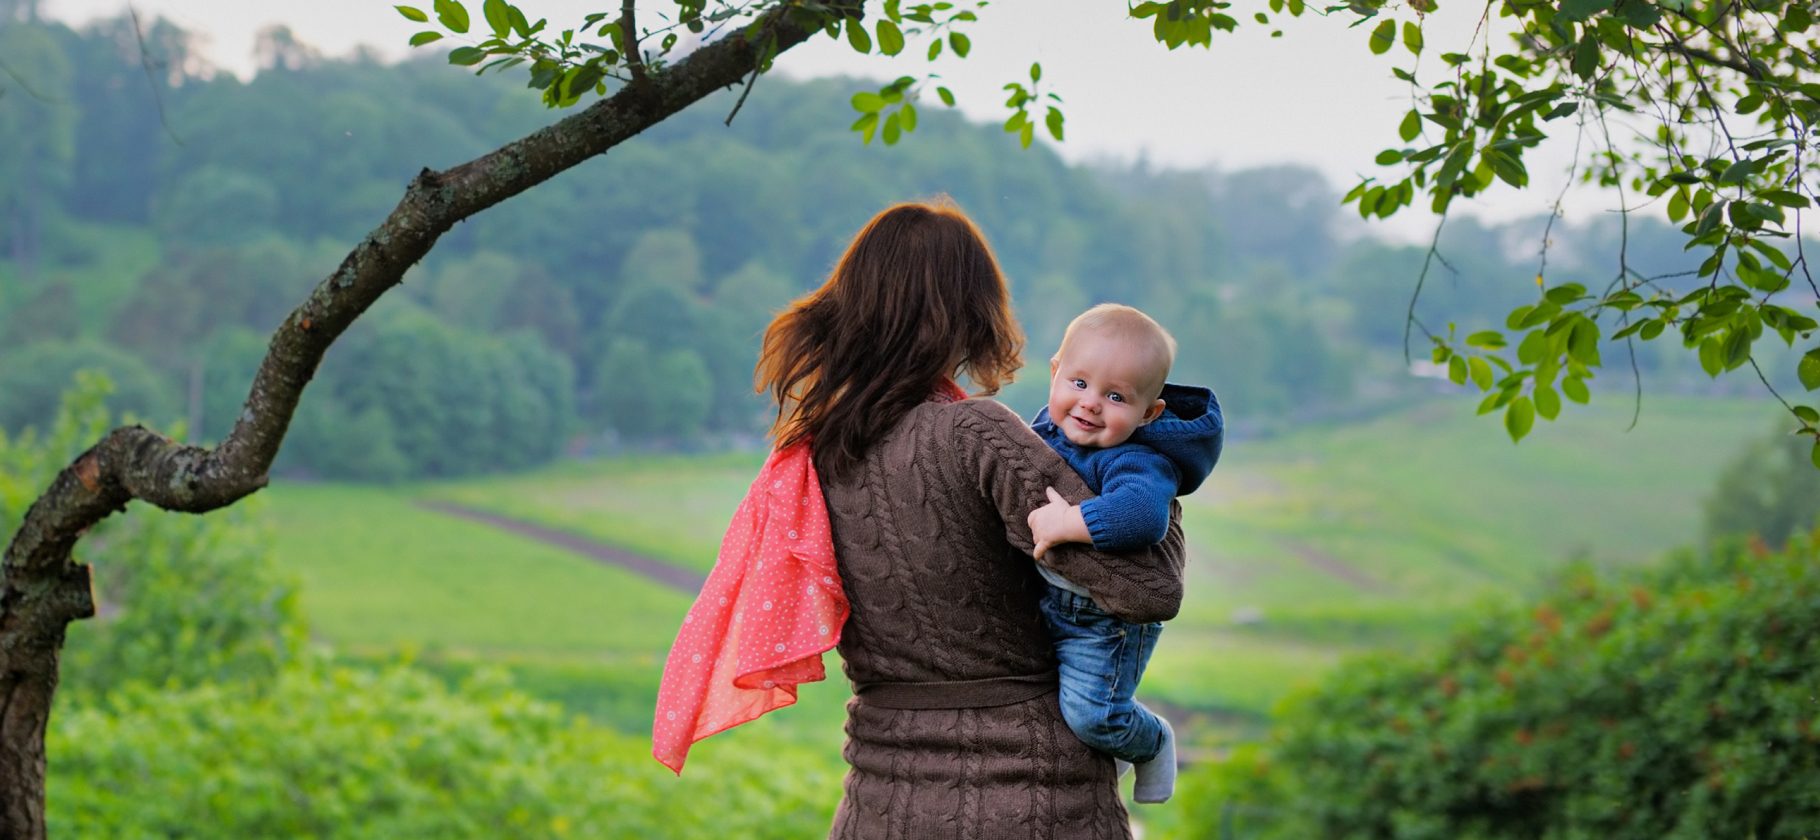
(1534, 347)
(1480, 373)
(1456, 370)
(1809, 370)
(1712, 356)
(1036, 72)
(1796, 18)
(1586, 55)
(425, 37)
(907, 116)
(1807, 413)
(1517, 316)
(960, 44)
(890, 38)
(1519, 418)
(1564, 294)
(1562, 110)
(412, 14)
(499, 18)
(1028, 134)
(1583, 342)
(453, 15)
(1737, 172)
(1487, 339)
(1412, 37)
(866, 125)
(1411, 127)
(1637, 14)
(867, 102)
(1784, 198)
(946, 95)
(1389, 156)
(1507, 167)
(1548, 403)
(857, 37)
(1815, 455)
(893, 130)
(1383, 37)
(1054, 122)
(1574, 11)
(584, 79)
(1542, 313)
(1709, 219)
(1677, 206)
(1737, 348)
(467, 56)
(1575, 389)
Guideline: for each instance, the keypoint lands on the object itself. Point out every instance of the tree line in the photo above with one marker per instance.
(163, 219)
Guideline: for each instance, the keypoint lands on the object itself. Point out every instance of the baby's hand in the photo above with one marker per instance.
(1057, 522)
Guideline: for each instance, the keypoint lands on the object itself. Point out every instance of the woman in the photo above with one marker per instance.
(955, 730)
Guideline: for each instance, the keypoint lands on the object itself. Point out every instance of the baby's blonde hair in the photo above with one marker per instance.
(1127, 324)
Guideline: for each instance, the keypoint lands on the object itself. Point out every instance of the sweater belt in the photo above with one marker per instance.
(959, 694)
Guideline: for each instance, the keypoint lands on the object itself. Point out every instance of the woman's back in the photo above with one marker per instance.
(939, 594)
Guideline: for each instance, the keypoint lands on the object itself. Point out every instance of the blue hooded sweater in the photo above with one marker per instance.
(1135, 480)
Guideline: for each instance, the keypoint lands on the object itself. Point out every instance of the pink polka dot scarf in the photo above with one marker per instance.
(771, 607)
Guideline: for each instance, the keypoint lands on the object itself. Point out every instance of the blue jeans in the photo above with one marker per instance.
(1102, 659)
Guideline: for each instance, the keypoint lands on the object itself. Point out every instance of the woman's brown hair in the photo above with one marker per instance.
(917, 299)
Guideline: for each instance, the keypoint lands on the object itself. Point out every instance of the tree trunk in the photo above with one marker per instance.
(43, 588)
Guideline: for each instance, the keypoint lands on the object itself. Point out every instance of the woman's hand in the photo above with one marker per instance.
(1057, 522)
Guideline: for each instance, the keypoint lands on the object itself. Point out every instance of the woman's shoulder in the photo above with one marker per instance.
(974, 416)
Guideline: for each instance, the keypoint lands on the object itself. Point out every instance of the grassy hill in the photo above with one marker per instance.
(1306, 547)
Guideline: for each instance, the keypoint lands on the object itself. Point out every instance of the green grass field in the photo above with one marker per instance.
(1304, 548)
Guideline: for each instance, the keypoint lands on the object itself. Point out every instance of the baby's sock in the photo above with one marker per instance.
(1156, 778)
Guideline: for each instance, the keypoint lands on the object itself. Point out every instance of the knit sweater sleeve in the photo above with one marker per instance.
(1132, 509)
(1012, 467)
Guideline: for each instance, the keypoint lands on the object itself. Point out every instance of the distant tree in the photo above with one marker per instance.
(1768, 492)
(37, 137)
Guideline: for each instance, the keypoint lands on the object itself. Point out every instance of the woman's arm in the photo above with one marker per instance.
(1013, 467)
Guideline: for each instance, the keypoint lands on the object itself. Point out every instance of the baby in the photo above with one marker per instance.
(1138, 443)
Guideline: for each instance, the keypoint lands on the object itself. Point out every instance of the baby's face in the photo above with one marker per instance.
(1097, 391)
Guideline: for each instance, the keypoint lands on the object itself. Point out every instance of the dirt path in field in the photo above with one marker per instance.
(676, 577)
(1336, 567)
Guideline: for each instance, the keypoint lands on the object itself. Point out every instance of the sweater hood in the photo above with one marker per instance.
(1190, 433)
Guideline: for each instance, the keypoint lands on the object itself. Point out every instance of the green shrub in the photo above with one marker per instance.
(348, 754)
(1678, 705)
(182, 599)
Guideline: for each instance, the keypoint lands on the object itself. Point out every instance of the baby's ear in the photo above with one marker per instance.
(1155, 410)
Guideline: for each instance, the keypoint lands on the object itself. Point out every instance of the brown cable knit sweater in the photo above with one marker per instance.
(933, 549)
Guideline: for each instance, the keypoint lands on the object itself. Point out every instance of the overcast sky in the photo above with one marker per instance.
(1315, 96)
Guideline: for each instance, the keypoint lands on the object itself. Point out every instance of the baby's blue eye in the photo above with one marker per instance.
(1079, 383)
(1116, 397)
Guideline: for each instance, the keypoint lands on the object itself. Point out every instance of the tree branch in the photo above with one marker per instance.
(44, 589)
(1679, 47)
(628, 31)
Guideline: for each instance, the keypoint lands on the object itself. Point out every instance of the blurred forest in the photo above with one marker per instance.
(160, 220)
